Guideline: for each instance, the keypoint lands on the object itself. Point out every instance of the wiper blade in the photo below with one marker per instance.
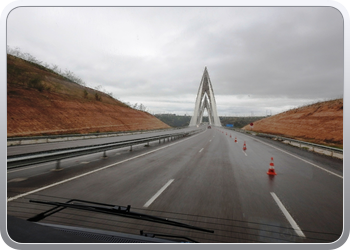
(152, 235)
(107, 209)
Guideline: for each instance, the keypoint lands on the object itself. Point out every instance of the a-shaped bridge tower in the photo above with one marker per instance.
(205, 100)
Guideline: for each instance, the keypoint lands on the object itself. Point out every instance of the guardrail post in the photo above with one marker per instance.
(159, 140)
(58, 165)
(130, 148)
(332, 153)
(104, 154)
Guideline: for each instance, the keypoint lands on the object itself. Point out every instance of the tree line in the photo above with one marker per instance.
(174, 120)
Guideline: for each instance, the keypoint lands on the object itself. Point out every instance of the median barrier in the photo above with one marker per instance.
(15, 161)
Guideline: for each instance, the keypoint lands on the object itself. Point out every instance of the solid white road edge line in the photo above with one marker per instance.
(288, 216)
(158, 193)
(201, 150)
(96, 170)
(301, 159)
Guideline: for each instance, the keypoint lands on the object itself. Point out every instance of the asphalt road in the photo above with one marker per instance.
(206, 180)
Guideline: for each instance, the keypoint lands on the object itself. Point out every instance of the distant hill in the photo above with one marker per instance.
(42, 102)
(238, 122)
(174, 120)
(320, 123)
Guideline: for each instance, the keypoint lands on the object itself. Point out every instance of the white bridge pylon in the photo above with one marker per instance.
(205, 100)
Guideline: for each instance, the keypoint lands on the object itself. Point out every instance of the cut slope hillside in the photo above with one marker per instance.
(41, 102)
(320, 123)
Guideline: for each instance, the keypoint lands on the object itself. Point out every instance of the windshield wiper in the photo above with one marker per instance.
(107, 209)
(152, 235)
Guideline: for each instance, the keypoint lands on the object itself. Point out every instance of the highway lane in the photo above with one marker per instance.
(215, 184)
(313, 195)
(20, 180)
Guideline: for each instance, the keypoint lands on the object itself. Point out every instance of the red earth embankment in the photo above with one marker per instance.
(40, 102)
(320, 123)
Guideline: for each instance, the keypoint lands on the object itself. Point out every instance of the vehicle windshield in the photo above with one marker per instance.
(175, 124)
(223, 229)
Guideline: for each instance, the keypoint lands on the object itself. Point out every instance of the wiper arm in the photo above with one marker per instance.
(152, 235)
(107, 209)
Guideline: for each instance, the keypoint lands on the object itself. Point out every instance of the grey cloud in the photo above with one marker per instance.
(141, 53)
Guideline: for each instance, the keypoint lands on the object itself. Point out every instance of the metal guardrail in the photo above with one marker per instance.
(12, 141)
(313, 145)
(22, 160)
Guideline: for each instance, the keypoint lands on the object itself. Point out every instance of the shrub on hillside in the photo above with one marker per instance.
(97, 97)
(36, 83)
(85, 94)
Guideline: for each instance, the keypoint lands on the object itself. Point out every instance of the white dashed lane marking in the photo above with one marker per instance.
(149, 202)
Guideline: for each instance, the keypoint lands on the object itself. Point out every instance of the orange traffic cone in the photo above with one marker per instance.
(235, 139)
(230, 136)
(271, 170)
(244, 146)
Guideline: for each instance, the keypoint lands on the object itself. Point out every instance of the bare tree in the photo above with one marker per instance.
(142, 107)
(99, 87)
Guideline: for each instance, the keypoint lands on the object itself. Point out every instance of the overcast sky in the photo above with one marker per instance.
(259, 58)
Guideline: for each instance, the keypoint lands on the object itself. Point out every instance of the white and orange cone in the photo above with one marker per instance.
(271, 170)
